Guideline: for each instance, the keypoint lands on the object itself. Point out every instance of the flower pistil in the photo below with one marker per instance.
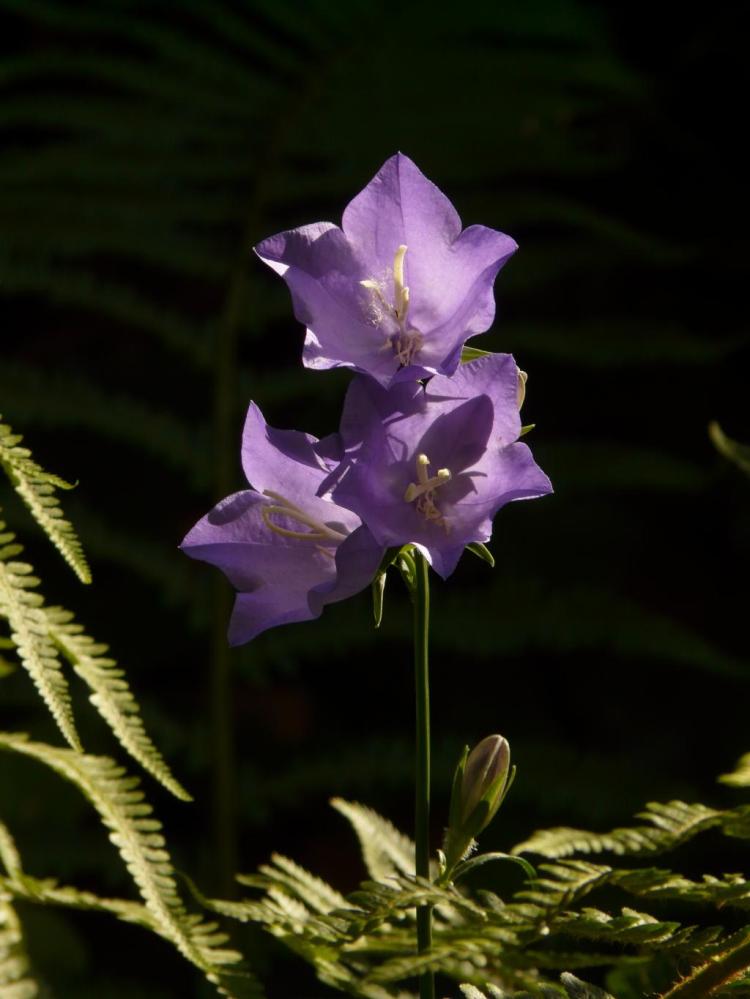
(406, 342)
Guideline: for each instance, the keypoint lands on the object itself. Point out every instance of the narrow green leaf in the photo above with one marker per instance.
(484, 858)
(378, 591)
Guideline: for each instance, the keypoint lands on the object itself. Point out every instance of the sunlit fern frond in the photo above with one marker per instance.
(37, 489)
(385, 850)
(314, 893)
(740, 776)
(16, 883)
(23, 609)
(16, 981)
(137, 835)
(731, 449)
(672, 823)
(111, 694)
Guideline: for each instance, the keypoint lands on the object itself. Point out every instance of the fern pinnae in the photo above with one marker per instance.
(385, 850)
(315, 893)
(672, 823)
(111, 695)
(138, 837)
(15, 975)
(37, 489)
(23, 610)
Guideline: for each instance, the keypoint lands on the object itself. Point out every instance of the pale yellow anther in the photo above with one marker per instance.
(425, 484)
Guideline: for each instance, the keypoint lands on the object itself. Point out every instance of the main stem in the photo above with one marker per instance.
(421, 601)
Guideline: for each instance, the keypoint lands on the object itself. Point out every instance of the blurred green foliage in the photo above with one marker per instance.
(146, 147)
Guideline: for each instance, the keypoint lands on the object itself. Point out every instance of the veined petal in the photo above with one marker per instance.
(433, 467)
(398, 290)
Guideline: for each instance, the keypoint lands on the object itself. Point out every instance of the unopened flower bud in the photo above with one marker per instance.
(484, 779)
(521, 391)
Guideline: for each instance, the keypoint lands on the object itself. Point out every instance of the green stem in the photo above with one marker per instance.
(421, 601)
(717, 972)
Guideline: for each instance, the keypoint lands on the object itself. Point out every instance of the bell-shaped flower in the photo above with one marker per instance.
(399, 288)
(432, 464)
(287, 551)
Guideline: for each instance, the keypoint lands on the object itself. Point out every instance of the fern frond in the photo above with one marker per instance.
(672, 824)
(385, 850)
(313, 892)
(15, 974)
(736, 452)
(37, 489)
(731, 890)
(111, 695)
(740, 776)
(22, 608)
(576, 989)
(138, 838)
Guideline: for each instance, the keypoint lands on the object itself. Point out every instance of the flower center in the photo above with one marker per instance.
(319, 532)
(423, 491)
(405, 342)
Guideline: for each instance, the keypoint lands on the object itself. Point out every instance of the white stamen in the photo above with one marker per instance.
(423, 491)
(406, 342)
(285, 508)
(400, 290)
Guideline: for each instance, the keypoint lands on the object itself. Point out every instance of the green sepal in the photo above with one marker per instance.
(378, 584)
(472, 353)
(484, 858)
(378, 591)
(481, 551)
(526, 429)
(454, 817)
(407, 567)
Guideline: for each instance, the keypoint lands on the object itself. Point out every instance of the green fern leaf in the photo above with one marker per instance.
(15, 977)
(111, 695)
(576, 989)
(22, 608)
(37, 489)
(736, 452)
(137, 836)
(317, 895)
(385, 850)
(740, 776)
(672, 824)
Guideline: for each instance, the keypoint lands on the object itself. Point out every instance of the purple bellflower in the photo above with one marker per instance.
(287, 551)
(432, 464)
(399, 288)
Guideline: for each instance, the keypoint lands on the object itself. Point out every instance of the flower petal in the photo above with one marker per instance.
(357, 561)
(289, 463)
(272, 573)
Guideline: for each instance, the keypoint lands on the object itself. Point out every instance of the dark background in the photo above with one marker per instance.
(145, 148)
